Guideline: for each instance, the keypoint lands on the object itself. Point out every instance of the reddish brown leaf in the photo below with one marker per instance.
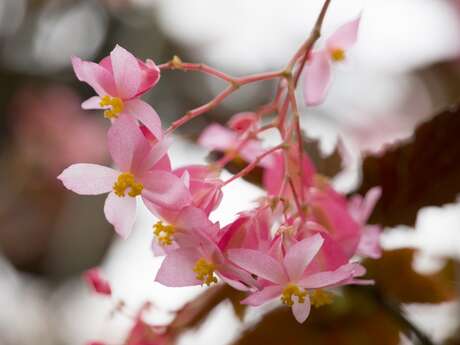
(424, 171)
(395, 277)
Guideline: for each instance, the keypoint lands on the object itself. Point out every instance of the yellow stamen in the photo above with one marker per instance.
(164, 233)
(320, 297)
(125, 181)
(205, 271)
(293, 290)
(115, 104)
(338, 55)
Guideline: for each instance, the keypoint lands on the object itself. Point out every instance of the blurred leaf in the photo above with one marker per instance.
(395, 278)
(424, 171)
(354, 319)
(327, 165)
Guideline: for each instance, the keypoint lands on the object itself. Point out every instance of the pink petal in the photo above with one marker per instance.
(121, 213)
(217, 137)
(96, 282)
(301, 310)
(260, 264)
(126, 72)
(92, 103)
(345, 36)
(177, 269)
(164, 189)
(93, 74)
(299, 255)
(369, 244)
(145, 114)
(331, 278)
(265, 295)
(89, 179)
(127, 145)
(317, 79)
(150, 76)
(156, 158)
(240, 122)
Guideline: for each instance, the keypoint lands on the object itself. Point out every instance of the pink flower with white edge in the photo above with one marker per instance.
(141, 173)
(119, 80)
(96, 282)
(318, 69)
(287, 278)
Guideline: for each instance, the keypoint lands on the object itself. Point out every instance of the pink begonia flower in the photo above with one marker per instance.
(360, 209)
(318, 69)
(197, 258)
(96, 282)
(140, 173)
(119, 80)
(219, 138)
(287, 278)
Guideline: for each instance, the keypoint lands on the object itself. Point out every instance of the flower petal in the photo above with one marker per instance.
(126, 72)
(88, 179)
(145, 114)
(331, 278)
(317, 79)
(95, 75)
(177, 268)
(299, 255)
(265, 295)
(260, 264)
(121, 213)
(127, 145)
(301, 310)
(345, 36)
(165, 189)
(92, 103)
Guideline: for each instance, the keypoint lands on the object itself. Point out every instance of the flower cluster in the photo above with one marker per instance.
(300, 241)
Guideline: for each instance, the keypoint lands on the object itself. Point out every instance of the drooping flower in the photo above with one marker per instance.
(287, 277)
(143, 171)
(96, 282)
(119, 80)
(318, 69)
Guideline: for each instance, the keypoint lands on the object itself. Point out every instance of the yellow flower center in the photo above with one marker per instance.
(290, 291)
(164, 233)
(205, 271)
(115, 104)
(125, 181)
(320, 297)
(338, 55)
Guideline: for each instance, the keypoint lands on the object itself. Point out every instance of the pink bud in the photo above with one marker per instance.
(98, 284)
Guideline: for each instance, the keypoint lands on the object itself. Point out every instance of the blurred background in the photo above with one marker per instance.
(404, 68)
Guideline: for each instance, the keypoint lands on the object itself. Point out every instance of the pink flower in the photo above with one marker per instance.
(287, 278)
(318, 71)
(196, 258)
(96, 282)
(141, 172)
(119, 80)
(244, 121)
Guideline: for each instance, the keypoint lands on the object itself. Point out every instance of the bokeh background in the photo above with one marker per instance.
(404, 68)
